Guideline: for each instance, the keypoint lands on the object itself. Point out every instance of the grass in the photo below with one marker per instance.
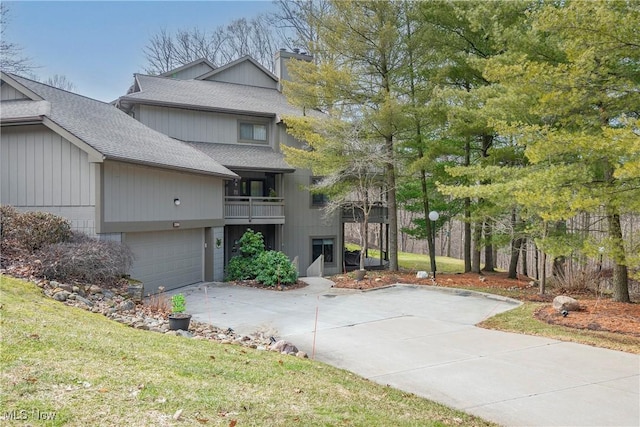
(415, 262)
(88, 370)
(521, 320)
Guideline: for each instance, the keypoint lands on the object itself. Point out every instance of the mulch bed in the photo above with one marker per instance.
(253, 284)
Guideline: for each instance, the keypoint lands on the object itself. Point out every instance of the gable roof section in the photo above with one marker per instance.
(245, 157)
(107, 131)
(212, 74)
(211, 96)
(198, 62)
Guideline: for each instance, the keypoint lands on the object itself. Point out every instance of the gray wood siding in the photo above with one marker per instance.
(40, 168)
(191, 72)
(245, 73)
(191, 125)
(137, 193)
(8, 93)
(302, 223)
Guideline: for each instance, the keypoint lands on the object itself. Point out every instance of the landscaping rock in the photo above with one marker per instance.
(284, 347)
(66, 287)
(117, 305)
(95, 289)
(126, 305)
(61, 296)
(562, 302)
(84, 301)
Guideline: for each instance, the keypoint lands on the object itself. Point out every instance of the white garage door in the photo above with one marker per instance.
(167, 258)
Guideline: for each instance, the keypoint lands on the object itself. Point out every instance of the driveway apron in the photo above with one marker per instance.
(423, 340)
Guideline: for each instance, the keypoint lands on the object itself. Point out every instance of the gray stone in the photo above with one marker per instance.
(61, 296)
(107, 294)
(302, 355)
(66, 287)
(54, 284)
(126, 305)
(562, 302)
(284, 346)
(422, 275)
(84, 301)
(95, 289)
(185, 334)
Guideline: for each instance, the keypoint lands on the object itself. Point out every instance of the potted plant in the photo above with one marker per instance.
(178, 319)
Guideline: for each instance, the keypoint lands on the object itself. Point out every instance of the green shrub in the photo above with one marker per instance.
(268, 267)
(251, 243)
(241, 268)
(275, 268)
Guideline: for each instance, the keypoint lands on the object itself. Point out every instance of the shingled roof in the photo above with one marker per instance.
(245, 157)
(108, 130)
(211, 96)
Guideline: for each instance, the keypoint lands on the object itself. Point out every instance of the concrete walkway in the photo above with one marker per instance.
(423, 340)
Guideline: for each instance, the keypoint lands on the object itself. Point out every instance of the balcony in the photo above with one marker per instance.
(378, 214)
(239, 210)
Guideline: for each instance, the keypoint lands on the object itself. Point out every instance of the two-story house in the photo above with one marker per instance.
(233, 114)
(114, 178)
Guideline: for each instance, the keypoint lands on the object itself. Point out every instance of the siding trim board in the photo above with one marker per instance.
(144, 226)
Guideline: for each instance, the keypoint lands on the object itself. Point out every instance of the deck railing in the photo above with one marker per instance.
(243, 208)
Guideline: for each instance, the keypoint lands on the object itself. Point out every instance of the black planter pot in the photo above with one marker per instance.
(179, 321)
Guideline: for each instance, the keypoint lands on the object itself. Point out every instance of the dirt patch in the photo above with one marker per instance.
(597, 313)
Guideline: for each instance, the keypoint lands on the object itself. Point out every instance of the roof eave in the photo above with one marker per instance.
(196, 107)
(22, 121)
(231, 175)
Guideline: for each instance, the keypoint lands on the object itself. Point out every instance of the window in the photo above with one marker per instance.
(252, 187)
(252, 132)
(318, 200)
(323, 246)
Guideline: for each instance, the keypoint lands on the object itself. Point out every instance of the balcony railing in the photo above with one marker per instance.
(378, 213)
(260, 210)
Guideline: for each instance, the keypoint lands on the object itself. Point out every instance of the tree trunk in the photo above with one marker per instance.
(392, 207)
(620, 272)
(523, 256)
(516, 246)
(477, 236)
(489, 265)
(467, 235)
(449, 239)
(467, 213)
(543, 276)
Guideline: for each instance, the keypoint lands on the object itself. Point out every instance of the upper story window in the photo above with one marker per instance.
(252, 132)
(318, 200)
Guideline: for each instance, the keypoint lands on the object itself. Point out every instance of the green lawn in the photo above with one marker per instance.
(88, 370)
(415, 262)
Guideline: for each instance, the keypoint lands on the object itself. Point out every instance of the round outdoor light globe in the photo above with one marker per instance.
(433, 215)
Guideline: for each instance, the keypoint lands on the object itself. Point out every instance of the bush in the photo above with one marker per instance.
(24, 233)
(251, 243)
(241, 268)
(268, 267)
(83, 260)
(275, 268)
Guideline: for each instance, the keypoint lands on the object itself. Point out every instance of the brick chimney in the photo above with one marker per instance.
(281, 59)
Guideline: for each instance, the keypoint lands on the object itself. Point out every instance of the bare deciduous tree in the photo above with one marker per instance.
(11, 59)
(61, 82)
(166, 51)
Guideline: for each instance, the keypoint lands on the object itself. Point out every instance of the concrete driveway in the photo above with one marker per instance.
(423, 340)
